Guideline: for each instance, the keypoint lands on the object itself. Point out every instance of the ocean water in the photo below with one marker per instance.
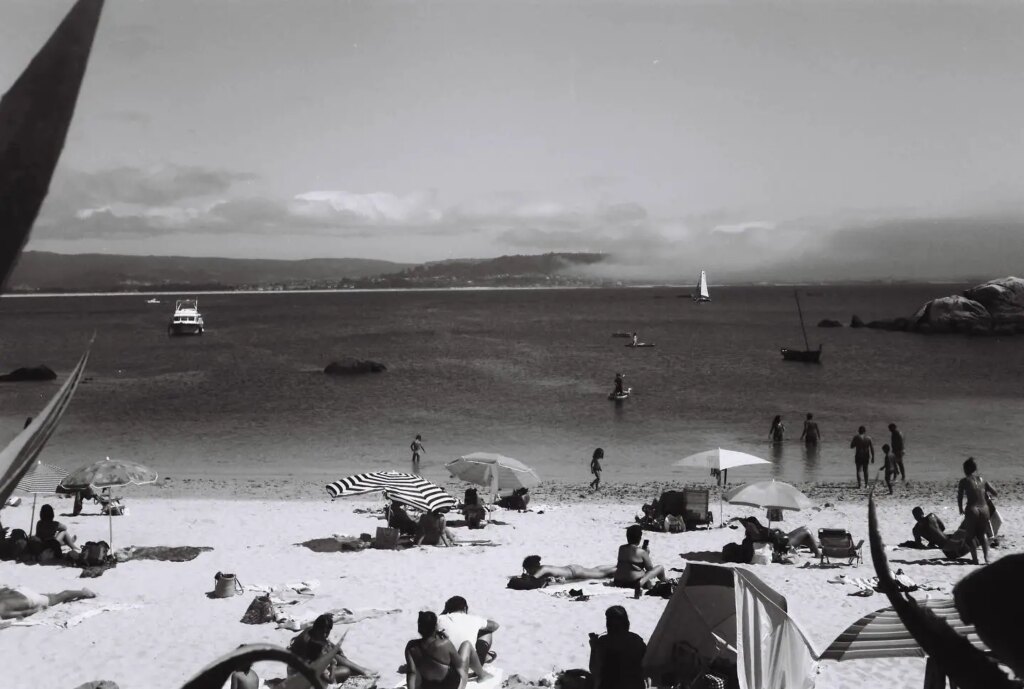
(522, 372)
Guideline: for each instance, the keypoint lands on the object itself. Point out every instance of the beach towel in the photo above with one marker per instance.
(495, 681)
(588, 588)
(303, 588)
(182, 553)
(336, 544)
(71, 614)
(869, 585)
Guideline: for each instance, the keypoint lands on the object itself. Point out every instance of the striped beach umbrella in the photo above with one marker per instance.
(408, 489)
(40, 480)
(881, 634)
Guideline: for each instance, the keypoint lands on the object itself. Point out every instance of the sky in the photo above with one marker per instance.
(759, 140)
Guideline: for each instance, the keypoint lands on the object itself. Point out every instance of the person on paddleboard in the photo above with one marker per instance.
(618, 384)
(635, 342)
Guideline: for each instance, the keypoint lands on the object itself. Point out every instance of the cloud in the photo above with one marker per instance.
(740, 228)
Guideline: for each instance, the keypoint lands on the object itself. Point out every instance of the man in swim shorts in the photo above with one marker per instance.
(19, 602)
(864, 450)
(896, 440)
(929, 529)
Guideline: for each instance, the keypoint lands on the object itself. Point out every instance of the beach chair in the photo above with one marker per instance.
(838, 544)
(696, 507)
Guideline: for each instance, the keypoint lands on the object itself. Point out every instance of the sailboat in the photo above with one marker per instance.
(812, 356)
(702, 289)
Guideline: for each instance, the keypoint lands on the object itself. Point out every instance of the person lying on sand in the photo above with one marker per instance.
(532, 567)
(431, 662)
(314, 643)
(19, 602)
(929, 529)
(758, 533)
(634, 566)
(47, 528)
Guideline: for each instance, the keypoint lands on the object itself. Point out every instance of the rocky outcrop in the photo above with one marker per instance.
(952, 315)
(1002, 298)
(351, 366)
(829, 323)
(894, 324)
(856, 322)
(40, 372)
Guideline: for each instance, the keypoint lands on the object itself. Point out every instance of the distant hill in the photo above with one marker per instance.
(41, 271)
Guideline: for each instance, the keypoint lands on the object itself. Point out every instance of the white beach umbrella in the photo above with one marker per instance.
(493, 471)
(719, 460)
(770, 494)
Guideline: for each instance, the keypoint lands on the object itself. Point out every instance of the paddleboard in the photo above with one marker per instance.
(640, 344)
(619, 398)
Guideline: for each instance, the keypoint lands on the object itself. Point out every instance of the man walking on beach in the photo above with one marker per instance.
(896, 439)
(417, 448)
(595, 469)
(864, 450)
(811, 434)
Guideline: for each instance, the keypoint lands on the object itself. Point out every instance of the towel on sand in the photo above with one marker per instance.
(181, 553)
(336, 544)
(589, 588)
(495, 681)
(71, 614)
(303, 588)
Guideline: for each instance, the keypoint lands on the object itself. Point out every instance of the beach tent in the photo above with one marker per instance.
(727, 615)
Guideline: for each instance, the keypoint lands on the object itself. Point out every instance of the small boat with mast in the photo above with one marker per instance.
(702, 295)
(808, 355)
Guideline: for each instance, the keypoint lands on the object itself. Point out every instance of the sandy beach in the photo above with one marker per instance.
(164, 628)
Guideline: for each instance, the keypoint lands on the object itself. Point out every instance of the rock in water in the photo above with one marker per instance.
(829, 323)
(1002, 298)
(856, 322)
(950, 315)
(40, 372)
(351, 366)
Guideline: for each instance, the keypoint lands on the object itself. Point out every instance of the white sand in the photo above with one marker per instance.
(177, 629)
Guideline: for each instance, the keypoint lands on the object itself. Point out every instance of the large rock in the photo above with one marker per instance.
(829, 323)
(856, 322)
(40, 372)
(1002, 298)
(952, 314)
(896, 324)
(351, 366)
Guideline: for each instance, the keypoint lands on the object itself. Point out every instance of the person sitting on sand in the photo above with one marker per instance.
(532, 567)
(399, 519)
(19, 602)
(634, 566)
(929, 529)
(244, 677)
(431, 662)
(616, 658)
(758, 533)
(47, 529)
(432, 531)
(313, 644)
(471, 635)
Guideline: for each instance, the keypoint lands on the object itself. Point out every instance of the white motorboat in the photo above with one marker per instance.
(186, 319)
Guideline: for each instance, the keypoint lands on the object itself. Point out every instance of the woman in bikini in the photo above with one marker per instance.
(977, 517)
(431, 661)
(533, 567)
(634, 566)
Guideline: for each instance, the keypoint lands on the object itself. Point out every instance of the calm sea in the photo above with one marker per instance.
(521, 372)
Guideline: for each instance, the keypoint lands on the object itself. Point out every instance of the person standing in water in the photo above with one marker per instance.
(595, 468)
(811, 433)
(417, 449)
(618, 383)
(635, 342)
(896, 438)
(863, 450)
(777, 432)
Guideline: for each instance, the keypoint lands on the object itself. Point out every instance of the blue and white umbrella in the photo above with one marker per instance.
(408, 489)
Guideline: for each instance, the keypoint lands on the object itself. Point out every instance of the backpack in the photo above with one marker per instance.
(575, 679)
(95, 553)
(260, 611)
(525, 582)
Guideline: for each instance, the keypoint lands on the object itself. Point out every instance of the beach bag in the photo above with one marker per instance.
(386, 538)
(675, 524)
(95, 553)
(732, 552)
(260, 611)
(225, 586)
(524, 582)
(762, 554)
(472, 497)
(575, 679)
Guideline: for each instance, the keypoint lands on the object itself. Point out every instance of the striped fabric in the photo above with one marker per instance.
(408, 489)
(42, 478)
(881, 634)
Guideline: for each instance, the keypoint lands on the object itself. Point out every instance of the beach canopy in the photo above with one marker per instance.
(777, 494)
(719, 459)
(493, 471)
(728, 614)
(881, 634)
(408, 489)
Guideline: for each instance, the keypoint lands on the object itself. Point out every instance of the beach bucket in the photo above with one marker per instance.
(225, 586)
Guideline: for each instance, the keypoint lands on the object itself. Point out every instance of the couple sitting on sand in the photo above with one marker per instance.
(451, 645)
(633, 567)
(45, 546)
(756, 533)
(429, 530)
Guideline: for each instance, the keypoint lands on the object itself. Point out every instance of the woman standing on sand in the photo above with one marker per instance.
(977, 517)
(595, 469)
